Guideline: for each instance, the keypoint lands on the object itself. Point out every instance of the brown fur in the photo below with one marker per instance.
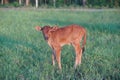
(58, 37)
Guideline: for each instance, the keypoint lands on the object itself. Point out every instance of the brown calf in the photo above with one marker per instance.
(58, 37)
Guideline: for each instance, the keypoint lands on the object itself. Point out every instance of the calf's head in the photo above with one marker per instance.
(46, 30)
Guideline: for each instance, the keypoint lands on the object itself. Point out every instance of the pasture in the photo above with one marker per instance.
(24, 54)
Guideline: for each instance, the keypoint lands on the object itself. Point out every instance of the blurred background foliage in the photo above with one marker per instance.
(61, 3)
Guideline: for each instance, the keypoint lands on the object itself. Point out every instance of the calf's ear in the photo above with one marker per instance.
(38, 28)
(54, 28)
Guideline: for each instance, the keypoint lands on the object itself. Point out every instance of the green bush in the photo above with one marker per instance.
(15, 4)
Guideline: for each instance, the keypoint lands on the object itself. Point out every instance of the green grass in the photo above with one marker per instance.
(24, 55)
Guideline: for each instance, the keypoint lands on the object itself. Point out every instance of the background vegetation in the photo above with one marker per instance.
(62, 3)
(24, 55)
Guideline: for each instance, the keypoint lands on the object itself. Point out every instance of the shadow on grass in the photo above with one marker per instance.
(12, 43)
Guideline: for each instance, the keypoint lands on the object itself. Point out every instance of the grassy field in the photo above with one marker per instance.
(24, 55)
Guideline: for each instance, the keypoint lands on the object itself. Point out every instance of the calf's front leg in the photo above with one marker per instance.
(58, 56)
(53, 57)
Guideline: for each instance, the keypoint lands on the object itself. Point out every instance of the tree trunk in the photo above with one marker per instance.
(36, 1)
(20, 2)
(45, 2)
(54, 3)
(5, 1)
(27, 2)
(2, 2)
(84, 2)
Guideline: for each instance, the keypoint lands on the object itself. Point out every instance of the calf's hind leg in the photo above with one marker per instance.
(78, 54)
(53, 59)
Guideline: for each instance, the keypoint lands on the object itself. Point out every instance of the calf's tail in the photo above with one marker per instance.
(84, 42)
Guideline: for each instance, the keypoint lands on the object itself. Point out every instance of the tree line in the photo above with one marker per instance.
(63, 3)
